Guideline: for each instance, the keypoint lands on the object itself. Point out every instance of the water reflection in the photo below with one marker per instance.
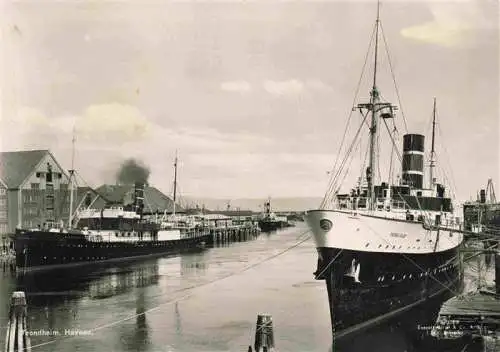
(118, 282)
(178, 321)
(55, 287)
(194, 264)
(138, 339)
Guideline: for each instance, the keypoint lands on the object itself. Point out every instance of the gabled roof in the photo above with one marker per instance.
(154, 200)
(15, 167)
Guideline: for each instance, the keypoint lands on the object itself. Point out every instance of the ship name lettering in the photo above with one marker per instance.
(397, 234)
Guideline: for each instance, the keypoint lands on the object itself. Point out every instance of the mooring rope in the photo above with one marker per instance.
(237, 272)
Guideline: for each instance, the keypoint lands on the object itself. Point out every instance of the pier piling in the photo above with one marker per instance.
(264, 334)
(16, 338)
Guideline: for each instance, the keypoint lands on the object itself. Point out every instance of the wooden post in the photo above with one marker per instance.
(16, 338)
(264, 334)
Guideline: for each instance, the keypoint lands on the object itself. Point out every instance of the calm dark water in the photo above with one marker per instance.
(192, 303)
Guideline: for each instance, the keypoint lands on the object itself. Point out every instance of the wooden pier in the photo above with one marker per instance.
(473, 314)
(228, 234)
(17, 339)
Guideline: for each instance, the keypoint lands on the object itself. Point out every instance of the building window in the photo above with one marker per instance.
(3, 202)
(35, 186)
(28, 198)
(3, 191)
(3, 215)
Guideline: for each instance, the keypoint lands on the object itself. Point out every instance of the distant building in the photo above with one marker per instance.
(23, 180)
(155, 202)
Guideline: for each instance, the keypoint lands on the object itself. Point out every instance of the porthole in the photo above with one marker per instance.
(325, 224)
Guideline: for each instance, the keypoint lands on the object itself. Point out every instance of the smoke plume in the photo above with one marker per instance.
(131, 171)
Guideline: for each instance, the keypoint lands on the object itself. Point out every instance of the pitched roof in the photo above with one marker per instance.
(154, 200)
(15, 167)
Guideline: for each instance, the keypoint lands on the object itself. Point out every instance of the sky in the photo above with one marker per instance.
(254, 95)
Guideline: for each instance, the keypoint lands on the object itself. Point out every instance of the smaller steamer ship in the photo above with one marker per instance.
(269, 221)
(116, 232)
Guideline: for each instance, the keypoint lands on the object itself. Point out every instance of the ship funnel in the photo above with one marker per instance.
(482, 196)
(413, 160)
(139, 197)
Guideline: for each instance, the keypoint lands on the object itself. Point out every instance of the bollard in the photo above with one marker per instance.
(16, 338)
(264, 334)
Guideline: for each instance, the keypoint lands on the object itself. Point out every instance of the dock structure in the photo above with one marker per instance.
(17, 339)
(225, 229)
(473, 314)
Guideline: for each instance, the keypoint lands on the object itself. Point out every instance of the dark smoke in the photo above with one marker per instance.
(132, 171)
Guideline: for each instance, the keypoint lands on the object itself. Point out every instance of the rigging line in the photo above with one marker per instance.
(329, 263)
(364, 163)
(445, 177)
(354, 141)
(393, 76)
(446, 157)
(248, 267)
(91, 188)
(334, 178)
(346, 172)
(479, 253)
(358, 145)
(378, 157)
(355, 96)
(391, 162)
(400, 160)
(411, 260)
(331, 188)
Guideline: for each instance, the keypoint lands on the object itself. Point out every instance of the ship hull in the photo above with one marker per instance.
(39, 250)
(376, 268)
(269, 225)
(356, 306)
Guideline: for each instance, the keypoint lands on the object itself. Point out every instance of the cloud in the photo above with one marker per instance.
(317, 85)
(236, 86)
(283, 88)
(115, 122)
(28, 127)
(219, 174)
(454, 24)
(107, 124)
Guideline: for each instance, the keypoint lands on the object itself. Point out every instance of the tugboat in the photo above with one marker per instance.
(269, 221)
(116, 232)
(385, 247)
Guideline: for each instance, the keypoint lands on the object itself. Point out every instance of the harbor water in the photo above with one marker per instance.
(207, 300)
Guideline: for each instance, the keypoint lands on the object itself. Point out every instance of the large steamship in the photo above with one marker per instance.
(117, 232)
(385, 247)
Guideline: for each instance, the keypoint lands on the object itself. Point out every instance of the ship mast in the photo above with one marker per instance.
(175, 181)
(433, 152)
(71, 176)
(373, 126)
